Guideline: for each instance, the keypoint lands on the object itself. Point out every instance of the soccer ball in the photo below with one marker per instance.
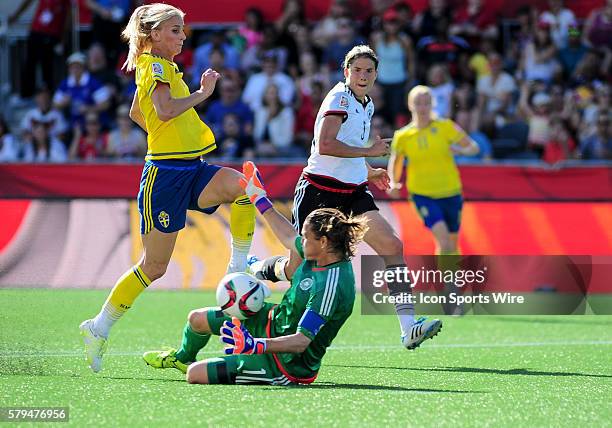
(241, 295)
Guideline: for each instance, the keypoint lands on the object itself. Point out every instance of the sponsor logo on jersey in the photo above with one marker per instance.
(157, 68)
(344, 102)
(434, 129)
(164, 219)
(306, 283)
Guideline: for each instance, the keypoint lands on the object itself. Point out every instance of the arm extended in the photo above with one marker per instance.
(281, 227)
(168, 107)
(293, 344)
(254, 189)
(466, 146)
(329, 145)
(395, 168)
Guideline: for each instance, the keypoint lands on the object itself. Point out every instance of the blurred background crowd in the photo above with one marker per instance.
(533, 86)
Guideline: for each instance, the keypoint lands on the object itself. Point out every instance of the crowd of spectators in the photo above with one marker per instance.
(536, 88)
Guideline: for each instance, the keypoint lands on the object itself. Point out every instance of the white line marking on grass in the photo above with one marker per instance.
(79, 354)
(476, 345)
(337, 348)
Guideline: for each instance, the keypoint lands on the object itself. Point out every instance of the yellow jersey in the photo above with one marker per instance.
(431, 167)
(184, 136)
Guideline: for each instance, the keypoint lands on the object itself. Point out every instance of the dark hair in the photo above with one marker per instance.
(43, 88)
(264, 102)
(400, 5)
(258, 17)
(4, 129)
(343, 233)
(360, 51)
(318, 84)
(217, 50)
(301, 13)
(524, 10)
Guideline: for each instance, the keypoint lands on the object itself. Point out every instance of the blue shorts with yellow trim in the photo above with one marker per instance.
(433, 210)
(168, 188)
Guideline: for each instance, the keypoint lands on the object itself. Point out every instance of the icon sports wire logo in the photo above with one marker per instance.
(496, 285)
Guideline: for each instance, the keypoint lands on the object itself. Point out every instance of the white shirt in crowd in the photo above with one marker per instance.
(53, 119)
(256, 87)
(280, 128)
(125, 146)
(494, 91)
(56, 153)
(9, 148)
(442, 95)
(559, 24)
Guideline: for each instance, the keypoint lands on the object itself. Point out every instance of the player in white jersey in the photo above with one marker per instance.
(337, 176)
(354, 132)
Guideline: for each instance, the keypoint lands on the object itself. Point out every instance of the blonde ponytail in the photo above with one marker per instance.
(138, 30)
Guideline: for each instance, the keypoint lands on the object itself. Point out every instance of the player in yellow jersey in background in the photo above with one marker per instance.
(428, 144)
(174, 178)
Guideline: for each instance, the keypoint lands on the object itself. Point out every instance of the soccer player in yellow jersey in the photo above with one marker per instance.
(428, 144)
(174, 178)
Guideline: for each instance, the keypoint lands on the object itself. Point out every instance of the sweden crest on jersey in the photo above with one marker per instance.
(164, 219)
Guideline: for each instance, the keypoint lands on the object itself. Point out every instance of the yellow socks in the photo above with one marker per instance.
(121, 298)
(242, 227)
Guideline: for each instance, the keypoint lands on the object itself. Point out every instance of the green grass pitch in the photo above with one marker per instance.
(479, 371)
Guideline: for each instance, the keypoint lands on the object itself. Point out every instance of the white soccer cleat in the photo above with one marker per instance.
(420, 331)
(95, 346)
(254, 266)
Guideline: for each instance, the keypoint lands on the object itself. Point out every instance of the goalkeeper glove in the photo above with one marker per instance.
(239, 339)
(254, 187)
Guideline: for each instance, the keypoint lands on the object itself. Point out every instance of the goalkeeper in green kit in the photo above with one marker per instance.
(282, 344)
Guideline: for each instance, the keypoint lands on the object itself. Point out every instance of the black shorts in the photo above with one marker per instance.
(314, 191)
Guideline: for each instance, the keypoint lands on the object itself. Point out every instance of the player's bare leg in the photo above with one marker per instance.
(195, 336)
(383, 239)
(446, 247)
(198, 372)
(446, 242)
(158, 248)
(225, 188)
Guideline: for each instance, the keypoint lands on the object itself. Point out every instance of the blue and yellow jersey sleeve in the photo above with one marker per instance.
(184, 136)
(159, 71)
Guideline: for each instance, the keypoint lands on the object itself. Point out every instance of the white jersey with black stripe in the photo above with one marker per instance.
(354, 131)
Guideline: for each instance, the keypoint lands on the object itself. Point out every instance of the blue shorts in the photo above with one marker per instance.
(168, 188)
(433, 210)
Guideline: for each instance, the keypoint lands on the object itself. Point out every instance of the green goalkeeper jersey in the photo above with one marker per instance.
(327, 290)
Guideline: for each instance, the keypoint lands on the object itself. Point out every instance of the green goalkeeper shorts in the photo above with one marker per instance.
(244, 369)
